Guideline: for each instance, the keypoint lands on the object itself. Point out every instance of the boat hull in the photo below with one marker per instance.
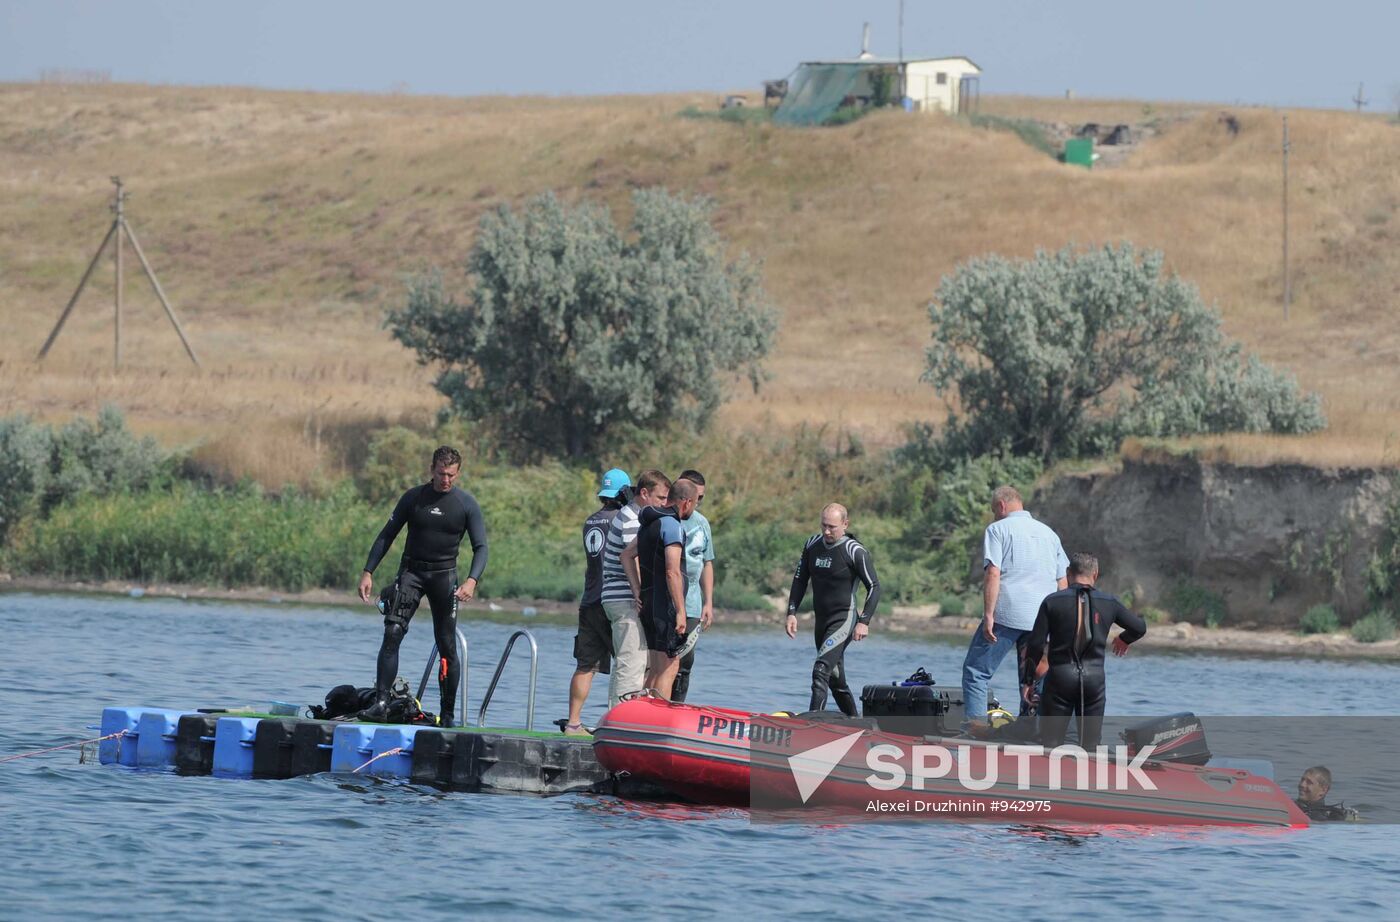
(724, 756)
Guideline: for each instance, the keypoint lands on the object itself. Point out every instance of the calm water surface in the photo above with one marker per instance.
(83, 838)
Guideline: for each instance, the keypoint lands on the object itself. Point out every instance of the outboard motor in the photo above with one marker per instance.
(1174, 738)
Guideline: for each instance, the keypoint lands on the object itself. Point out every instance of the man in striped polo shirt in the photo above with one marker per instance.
(1022, 562)
(653, 488)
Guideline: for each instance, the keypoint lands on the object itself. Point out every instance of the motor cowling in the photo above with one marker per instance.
(1174, 738)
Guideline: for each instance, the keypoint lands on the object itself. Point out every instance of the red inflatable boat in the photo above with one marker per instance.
(721, 756)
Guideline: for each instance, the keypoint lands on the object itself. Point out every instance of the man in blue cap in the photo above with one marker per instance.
(593, 645)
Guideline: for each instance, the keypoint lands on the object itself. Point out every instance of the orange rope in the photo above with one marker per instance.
(392, 752)
(39, 752)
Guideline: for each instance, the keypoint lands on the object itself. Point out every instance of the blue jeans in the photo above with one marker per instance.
(982, 661)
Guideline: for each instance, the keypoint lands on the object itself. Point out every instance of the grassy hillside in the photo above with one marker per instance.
(282, 224)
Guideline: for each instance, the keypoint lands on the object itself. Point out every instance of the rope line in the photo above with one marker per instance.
(39, 752)
(392, 752)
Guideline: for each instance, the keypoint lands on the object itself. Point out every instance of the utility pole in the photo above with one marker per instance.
(118, 208)
(119, 227)
(903, 80)
(1287, 282)
(1360, 98)
(901, 33)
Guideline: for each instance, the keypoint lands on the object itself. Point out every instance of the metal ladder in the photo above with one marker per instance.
(432, 661)
(500, 667)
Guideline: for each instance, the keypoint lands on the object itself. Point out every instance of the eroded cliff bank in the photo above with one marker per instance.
(1231, 543)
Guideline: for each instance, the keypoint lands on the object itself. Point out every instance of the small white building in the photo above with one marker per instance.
(941, 84)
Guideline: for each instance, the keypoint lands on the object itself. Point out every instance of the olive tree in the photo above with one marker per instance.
(1067, 353)
(570, 327)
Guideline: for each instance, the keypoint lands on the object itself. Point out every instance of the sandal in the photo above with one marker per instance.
(569, 729)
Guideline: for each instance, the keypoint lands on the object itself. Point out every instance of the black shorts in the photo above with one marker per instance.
(593, 646)
(660, 630)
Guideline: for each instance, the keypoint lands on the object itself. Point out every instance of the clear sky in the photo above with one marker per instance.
(1274, 52)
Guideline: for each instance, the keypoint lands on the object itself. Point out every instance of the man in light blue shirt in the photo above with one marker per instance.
(698, 556)
(1022, 562)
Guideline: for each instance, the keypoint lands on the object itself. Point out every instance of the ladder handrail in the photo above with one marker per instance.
(500, 667)
(432, 661)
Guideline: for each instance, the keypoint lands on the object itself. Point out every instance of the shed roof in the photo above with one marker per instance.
(874, 61)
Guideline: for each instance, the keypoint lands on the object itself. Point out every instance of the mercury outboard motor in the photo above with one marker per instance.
(1174, 738)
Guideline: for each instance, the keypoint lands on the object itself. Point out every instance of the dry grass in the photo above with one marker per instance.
(282, 225)
(1264, 450)
(310, 453)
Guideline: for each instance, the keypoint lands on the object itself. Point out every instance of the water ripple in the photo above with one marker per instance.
(85, 838)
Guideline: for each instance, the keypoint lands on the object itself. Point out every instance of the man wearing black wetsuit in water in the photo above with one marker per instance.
(832, 562)
(1071, 631)
(437, 515)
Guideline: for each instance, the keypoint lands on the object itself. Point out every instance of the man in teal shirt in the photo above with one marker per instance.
(698, 560)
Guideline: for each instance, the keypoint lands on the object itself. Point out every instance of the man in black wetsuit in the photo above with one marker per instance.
(437, 515)
(1071, 628)
(832, 562)
(660, 583)
(1312, 797)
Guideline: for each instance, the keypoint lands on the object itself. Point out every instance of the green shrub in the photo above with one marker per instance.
(1065, 354)
(920, 513)
(243, 537)
(532, 566)
(944, 505)
(41, 467)
(952, 604)
(219, 538)
(759, 556)
(102, 456)
(25, 451)
(397, 459)
(1154, 615)
(883, 83)
(740, 598)
(1375, 627)
(845, 115)
(1320, 619)
(908, 581)
(548, 498)
(571, 327)
(1191, 602)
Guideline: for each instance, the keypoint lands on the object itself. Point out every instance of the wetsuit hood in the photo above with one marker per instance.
(650, 514)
